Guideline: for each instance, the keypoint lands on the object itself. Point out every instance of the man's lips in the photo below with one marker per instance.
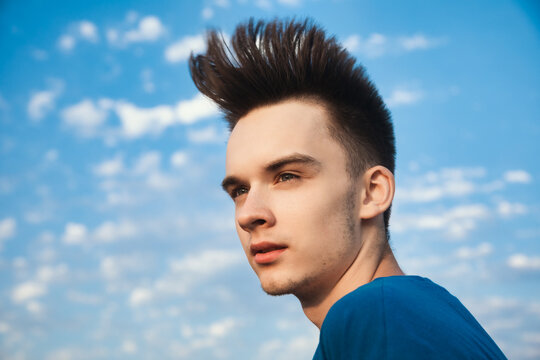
(266, 252)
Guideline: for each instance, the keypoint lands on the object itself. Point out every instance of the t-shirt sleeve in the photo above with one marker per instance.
(354, 328)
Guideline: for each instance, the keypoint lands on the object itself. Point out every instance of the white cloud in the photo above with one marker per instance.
(111, 267)
(110, 231)
(524, 262)
(111, 167)
(35, 307)
(206, 135)
(180, 50)
(140, 296)
(376, 45)
(150, 29)
(517, 176)
(75, 233)
(88, 118)
(297, 347)
(207, 13)
(42, 102)
(129, 347)
(147, 163)
(507, 209)
(401, 97)
(51, 155)
(137, 121)
(179, 159)
(222, 327)
(114, 267)
(113, 36)
(457, 221)
(192, 110)
(193, 269)
(161, 182)
(4, 327)
(85, 117)
(88, 30)
(82, 30)
(417, 42)
(448, 182)
(49, 273)
(66, 42)
(207, 263)
(372, 47)
(8, 226)
(481, 250)
(27, 291)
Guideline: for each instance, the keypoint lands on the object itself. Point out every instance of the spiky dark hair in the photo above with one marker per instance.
(269, 62)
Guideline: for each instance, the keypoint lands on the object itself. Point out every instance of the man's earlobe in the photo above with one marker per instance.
(377, 191)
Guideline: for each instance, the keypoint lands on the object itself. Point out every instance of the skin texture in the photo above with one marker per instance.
(288, 179)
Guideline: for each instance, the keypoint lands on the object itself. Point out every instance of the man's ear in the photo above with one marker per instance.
(377, 192)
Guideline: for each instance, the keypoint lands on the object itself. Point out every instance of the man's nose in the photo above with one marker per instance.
(254, 212)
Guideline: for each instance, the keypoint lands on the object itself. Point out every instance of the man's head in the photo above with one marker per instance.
(310, 156)
(267, 63)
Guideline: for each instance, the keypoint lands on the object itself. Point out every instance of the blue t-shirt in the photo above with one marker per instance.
(402, 317)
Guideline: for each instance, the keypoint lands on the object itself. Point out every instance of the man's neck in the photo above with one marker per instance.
(370, 264)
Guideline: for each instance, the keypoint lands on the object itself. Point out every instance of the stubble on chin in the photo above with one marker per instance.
(288, 286)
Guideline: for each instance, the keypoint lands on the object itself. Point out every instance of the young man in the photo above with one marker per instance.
(310, 163)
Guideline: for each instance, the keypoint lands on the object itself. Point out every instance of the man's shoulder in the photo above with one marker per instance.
(406, 313)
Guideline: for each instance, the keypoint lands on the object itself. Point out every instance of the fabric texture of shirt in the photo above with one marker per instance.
(402, 317)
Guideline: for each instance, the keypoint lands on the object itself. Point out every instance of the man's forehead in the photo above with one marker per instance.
(274, 131)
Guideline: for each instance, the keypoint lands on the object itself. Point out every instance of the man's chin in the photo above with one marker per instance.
(276, 288)
(275, 291)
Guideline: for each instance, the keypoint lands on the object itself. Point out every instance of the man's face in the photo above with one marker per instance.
(296, 208)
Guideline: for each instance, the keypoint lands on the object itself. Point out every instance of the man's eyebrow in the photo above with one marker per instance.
(292, 159)
(229, 181)
(275, 165)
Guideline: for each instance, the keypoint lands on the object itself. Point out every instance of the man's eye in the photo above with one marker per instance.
(241, 190)
(286, 177)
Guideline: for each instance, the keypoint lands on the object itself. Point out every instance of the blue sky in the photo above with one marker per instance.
(116, 241)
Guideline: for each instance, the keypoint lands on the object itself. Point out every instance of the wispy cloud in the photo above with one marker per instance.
(436, 185)
(137, 121)
(83, 30)
(75, 233)
(86, 117)
(110, 167)
(507, 209)
(107, 232)
(456, 222)
(403, 96)
(181, 49)
(524, 262)
(517, 176)
(28, 290)
(44, 101)
(466, 252)
(7, 228)
(376, 45)
(148, 29)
